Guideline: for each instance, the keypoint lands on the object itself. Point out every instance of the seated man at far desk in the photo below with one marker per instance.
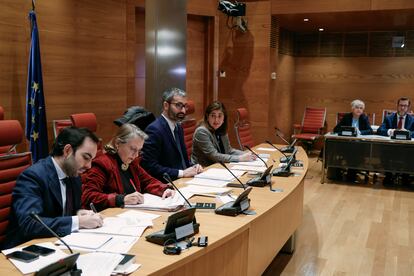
(51, 188)
(399, 120)
(164, 151)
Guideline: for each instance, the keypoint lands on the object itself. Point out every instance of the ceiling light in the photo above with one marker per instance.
(321, 29)
(306, 19)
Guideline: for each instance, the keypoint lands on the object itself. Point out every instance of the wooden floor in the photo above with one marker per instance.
(351, 229)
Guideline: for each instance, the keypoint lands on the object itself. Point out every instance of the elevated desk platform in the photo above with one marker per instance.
(242, 245)
(367, 153)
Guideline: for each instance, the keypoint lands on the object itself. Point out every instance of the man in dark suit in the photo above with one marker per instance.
(51, 188)
(164, 151)
(399, 120)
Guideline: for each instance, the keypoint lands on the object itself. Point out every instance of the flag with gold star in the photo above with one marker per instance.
(36, 127)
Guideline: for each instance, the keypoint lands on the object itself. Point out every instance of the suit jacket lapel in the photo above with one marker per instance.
(53, 182)
(170, 135)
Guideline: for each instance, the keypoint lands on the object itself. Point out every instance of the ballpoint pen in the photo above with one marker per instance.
(132, 184)
(93, 208)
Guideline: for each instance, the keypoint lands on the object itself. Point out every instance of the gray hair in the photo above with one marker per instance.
(357, 103)
(125, 133)
(169, 94)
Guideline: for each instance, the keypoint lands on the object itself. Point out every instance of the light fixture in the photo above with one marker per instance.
(321, 29)
(306, 19)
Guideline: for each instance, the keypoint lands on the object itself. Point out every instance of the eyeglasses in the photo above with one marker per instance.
(179, 105)
(404, 105)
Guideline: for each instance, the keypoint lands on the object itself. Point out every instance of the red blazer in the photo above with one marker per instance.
(102, 182)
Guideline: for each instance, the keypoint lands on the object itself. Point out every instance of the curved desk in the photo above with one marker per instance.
(242, 245)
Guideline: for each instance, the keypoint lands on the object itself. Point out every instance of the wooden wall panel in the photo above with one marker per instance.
(83, 49)
(202, 7)
(394, 4)
(310, 6)
(139, 62)
(245, 57)
(335, 82)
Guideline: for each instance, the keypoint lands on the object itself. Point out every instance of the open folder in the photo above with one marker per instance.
(157, 203)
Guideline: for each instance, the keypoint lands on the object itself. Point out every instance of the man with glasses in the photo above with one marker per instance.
(399, 120)
(164, 151)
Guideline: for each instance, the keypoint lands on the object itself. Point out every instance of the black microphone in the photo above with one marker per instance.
(244, 187)
(167, 178)
(283, 159)
(290, 146)
(74, 270)
(247, 147)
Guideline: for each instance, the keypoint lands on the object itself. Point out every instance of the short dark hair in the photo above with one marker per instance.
(73, 136)
(216, 105)
(404, 99)
(169, 94)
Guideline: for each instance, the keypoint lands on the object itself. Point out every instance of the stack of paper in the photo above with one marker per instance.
(219, 174)
(207, 182)
(127, 226)
(156, 203)
(98, 263)
(204, 190)
(85, 241)
(249, 168)
(255, 163)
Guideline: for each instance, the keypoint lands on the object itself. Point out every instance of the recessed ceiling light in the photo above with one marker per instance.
(306, 19)
(321, 29)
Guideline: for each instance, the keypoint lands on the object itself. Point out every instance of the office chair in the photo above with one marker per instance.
(387, 112)
(339, 117)
(243, 129)
(189, 126)
(11, 166)
(311, 128)
(1, 113)
(10, 135)
(87, 120)
(58, 125)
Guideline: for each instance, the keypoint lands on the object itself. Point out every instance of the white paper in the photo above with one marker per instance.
(98, 263)
(129, 270)
(207, 182)
(219, 174)
(226, 198)
(138, 215)
(128, 226)
(119, 244)
(205, 190)
(85, 240)
(266, 149)
(254, 163)
(153, 202)
(249, 168)
(38, 264)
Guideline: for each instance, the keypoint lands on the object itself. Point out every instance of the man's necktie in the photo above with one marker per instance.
(400, 120)
(69, 196)
(178, 142)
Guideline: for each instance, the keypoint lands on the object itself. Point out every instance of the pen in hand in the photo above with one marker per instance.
(93, 208)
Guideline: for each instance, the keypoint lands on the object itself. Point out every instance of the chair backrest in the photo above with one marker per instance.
(243, 129)
(313, 119)
(189, 126)
(1, 113)
(87, 120)
(11, 134)
(387, 112)
(58, 125)
(339, 116)
(11, 166)
(371, 118)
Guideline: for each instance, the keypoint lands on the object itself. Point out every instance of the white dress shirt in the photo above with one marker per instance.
(172, 126)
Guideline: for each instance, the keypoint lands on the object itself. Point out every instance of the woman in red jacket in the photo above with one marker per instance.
(116, 178)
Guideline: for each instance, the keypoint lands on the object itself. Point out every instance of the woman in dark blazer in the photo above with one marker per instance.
(116, 178)
(356, 118)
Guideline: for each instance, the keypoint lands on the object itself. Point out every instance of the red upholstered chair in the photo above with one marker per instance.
(242, 129)
(11, 134)
(1, 113)
(87, 120)
(189, 125)
(11, 165)
(312, 126)
(339, 116)
(58, 125)
(387, 112)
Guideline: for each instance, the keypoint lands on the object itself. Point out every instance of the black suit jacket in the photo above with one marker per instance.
(363, 121)
(390, 122)
(38, 190)
(160, 151)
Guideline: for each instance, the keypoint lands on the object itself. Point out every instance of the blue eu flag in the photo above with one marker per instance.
(36, 128)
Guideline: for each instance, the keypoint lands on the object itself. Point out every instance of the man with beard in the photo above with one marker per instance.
(164, 151)
(51, 188)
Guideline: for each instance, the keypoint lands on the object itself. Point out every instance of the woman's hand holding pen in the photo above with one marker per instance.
(168, 193)
(134, 198)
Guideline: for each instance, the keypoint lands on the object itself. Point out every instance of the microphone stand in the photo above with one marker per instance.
(244, 187)
(247, 147)
(290, 146)
(167, 178)
(282, 160)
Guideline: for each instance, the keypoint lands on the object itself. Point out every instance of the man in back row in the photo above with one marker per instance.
(51, 188)
(164, 151)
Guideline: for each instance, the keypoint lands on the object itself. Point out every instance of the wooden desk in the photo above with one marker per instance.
(367, 153)
(242, 245)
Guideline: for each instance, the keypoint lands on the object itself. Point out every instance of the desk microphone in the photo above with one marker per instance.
(283, 159)
(167, 178)
(290, 146)
(74, 271)
(244, 187)
(247, 147)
